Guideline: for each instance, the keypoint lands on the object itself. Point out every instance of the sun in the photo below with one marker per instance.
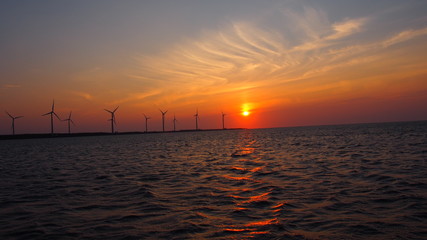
(246, 109)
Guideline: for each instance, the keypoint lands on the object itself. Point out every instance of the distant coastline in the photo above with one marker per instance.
(90, 134)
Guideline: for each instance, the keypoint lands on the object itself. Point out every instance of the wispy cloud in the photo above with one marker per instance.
(346, 28)
(248, 55)
(84, 95)
(404, 36)
(137, 97)
(5, 86)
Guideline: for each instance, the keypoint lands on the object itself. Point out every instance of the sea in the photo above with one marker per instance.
(360, 181)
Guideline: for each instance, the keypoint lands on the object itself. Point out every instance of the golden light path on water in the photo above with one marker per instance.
(245, 165)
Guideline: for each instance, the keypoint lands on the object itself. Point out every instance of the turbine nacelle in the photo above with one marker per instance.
(113, 118)
(163, 119)
(13, 116)
(112, 112)
(69, 119)
(163, 113)
(52, 113)
(13, 121)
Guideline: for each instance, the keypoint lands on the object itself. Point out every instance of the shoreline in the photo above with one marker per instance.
(92, 134)
(88, 134)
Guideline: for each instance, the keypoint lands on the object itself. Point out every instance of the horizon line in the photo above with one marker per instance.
(82, 134)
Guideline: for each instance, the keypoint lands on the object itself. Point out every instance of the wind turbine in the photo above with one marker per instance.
(69, 120)
(197, 118)
(51, 113)
(163, 118)
(223, 115)
(113, 118)
(174, 123)
(146, 123)
(13, 121)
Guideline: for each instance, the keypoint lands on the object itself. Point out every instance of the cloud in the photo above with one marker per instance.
(221, 57)
(84, 95)
(137, 97)
(246, 55)
(5, 86)
(404, 36)
(346, 28)
(332, 33)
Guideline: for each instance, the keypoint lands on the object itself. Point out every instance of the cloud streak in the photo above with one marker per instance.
(404, 36)
(6, 86)
(248, 55)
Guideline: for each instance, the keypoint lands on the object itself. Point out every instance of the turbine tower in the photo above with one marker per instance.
(223, 115)
(13, 121)
(174, 123)
(113, 118)
(197, 118)
(51, 113)
(163, 118)
(146, 123)
(69, 120)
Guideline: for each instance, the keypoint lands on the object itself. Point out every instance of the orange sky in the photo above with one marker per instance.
(293, 64)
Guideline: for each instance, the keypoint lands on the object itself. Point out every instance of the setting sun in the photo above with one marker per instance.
(246, 113)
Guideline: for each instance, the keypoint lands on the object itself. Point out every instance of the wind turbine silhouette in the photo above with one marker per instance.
(197, 118)
(51, 113)
(69, 120)
(223, 115)
(174, 123)
(163, 118)
(146, 123)
(113, 118)
(13, 121)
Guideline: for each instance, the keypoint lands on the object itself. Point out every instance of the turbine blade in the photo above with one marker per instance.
(56, 115)
(108, 111)
(47, 113)
(72, 122)
(53, 105)
(9, 114)
(69, 116)
(116, 109)
(19, 117)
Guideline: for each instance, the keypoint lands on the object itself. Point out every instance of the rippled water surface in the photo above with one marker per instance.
(332, 182)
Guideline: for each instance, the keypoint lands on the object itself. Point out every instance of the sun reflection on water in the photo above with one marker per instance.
(262, 197)
(254, 202)
(239, 178)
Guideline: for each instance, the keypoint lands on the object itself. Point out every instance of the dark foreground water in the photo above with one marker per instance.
(332, 182)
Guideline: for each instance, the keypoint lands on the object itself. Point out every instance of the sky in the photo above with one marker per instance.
(287, 63)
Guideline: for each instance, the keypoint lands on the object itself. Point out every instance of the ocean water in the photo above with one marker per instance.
(366, 181)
